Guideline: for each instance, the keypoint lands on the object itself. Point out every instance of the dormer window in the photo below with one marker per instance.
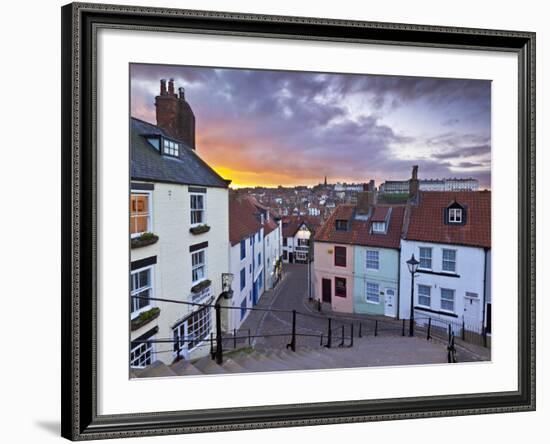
(170, 148)
(455, 214)
(341, 225)
(379, 227)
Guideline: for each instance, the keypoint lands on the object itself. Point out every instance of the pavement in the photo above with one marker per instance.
(270, 327)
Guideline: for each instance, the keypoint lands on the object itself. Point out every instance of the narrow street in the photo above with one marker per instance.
(271, 327)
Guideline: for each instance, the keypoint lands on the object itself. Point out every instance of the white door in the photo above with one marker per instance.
(472, 313)
(389, 304)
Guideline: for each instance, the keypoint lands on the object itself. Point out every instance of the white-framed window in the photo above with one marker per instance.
(424, 295)
(198, 266)
(141, 290)
(170, 147)
(447, 299)
(142, 354)
(449, 260)
(140, 213)
(303, 242)
(373, 260)
(379, 227)
(425, 258)
(193, 330)
(198, 208)
(301, 256)
(455, 215)
(373, 292)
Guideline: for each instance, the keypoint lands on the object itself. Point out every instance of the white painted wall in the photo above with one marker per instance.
(273, 244)
(246, 293)
(172, 276)
(470, 263)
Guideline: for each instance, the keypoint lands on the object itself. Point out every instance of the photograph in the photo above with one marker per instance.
(299, 221)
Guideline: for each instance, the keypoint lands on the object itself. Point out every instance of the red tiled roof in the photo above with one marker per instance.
(243, 221)
(380, 214)
(270, 226)
(360, 230)
(291, 224)
(427, 220)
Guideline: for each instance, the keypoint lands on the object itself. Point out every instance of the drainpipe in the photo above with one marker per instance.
(398, 283)
(484, 288)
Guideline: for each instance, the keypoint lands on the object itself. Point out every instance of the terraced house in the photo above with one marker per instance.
(179, 235)
(449, 233)
(357, 258)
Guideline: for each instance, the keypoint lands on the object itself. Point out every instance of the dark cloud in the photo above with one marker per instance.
(303, 123)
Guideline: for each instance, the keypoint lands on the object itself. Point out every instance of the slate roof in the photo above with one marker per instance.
(291, 224)
(243, 219)
(359, 231)
(427, 220)
(149, 165)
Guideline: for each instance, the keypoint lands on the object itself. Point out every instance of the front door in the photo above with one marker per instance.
(291, 257)
(327, 290)
(472, 314)
(389, 304)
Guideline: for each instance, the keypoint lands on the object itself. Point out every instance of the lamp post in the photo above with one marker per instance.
(412, 263)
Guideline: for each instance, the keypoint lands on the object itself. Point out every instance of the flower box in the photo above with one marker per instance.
(145, 317)
(201, 286)
(144, 240)
(199, 229)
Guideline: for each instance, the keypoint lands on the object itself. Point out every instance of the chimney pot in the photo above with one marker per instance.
(171, 87)
(162, 87)
(181, 90)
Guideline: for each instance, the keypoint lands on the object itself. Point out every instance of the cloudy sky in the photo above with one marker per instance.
(289, 128)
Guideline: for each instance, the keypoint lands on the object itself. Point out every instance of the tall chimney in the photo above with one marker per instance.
(174, 115)
(171, 87)
(413, 183)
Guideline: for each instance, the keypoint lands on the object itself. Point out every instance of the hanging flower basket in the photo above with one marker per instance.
(144, 240)
(201, 286)
(199, 229)
(145, 317)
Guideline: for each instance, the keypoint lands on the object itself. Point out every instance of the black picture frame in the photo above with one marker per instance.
(79, 386)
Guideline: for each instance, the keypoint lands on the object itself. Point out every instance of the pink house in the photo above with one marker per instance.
(334, 261)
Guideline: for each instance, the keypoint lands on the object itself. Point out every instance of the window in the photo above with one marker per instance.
(243, 249)
(243, 278)
(340, 256)
(140, 217)
(258, 235)
(301, 256)
(243, 309)
(171, 148)
(251, 240)
(250, 268)
(259, 259)
(261, 280)
(303, 242)
(447, 299)
(424, 295)
(284, 242)
(449, 260)
(425, 258)
(141, 354)
(373, 292)
(455, 215)
(198, 265)
(193, 330)
(372, 260)
(142, 289)
(197, 209)
(340, 287)
(379, 227)
(285, 255)
(341, 225)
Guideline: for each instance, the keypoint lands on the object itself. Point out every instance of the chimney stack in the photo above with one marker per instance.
(413, 183)
(174, 115)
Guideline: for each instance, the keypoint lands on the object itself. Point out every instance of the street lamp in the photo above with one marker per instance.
(412, 263)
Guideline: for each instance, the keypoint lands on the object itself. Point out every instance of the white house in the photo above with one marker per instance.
(449, 233)
(179, 236)
(246, 235)
(297, 231)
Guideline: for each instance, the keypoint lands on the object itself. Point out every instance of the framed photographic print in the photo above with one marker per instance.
(278, 221)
